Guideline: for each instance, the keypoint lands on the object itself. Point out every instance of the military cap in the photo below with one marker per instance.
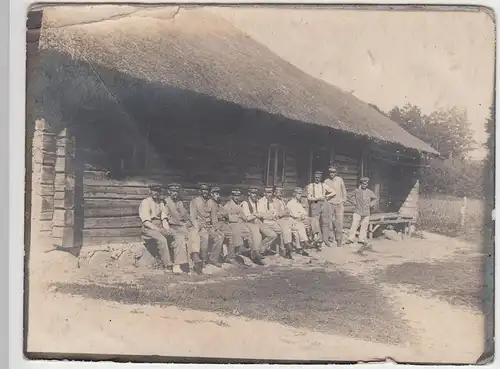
(318, 172)
(174, 186)
(298, 190)
(269, 188)
(253, 190)
(364, 179)
(215, 189)
(204, 186)
(155, 187)
(236, 192)
(332, 169)
(278, 187)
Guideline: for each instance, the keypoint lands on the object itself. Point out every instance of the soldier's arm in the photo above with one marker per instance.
(193, 212)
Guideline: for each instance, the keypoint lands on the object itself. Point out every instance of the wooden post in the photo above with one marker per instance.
(463, 213)
(64, 194)
(42, 190)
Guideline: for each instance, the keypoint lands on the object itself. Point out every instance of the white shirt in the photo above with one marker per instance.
(317, 191)
(150, 209)
(266, 208)
(296, 209)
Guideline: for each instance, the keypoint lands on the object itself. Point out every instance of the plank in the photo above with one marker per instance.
(112, 232)
(91, 181)
(112, 222)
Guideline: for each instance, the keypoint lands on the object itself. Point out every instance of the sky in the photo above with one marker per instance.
(433, 59)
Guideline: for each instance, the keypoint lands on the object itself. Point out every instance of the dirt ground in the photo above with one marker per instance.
(417, 301)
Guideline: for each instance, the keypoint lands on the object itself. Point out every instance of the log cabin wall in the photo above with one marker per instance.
(258, 153)
(396, 181)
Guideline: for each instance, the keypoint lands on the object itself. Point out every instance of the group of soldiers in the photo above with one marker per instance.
(262, 221)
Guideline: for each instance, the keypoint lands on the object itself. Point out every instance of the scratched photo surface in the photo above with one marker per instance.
(277, 184)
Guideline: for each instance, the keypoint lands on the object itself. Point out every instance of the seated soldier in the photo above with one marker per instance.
(154, 214)
(284, 220)
(300, 217)
(203, 212)
(254, 222)
(180, 226)
(224, 227)
(269, 227)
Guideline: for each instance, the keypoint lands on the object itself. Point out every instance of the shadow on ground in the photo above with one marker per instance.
(459, 282)
(325, 301)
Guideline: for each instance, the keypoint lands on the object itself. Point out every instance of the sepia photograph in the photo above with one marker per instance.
(260, 184)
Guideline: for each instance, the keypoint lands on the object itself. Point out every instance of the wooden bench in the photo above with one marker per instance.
(383, 219)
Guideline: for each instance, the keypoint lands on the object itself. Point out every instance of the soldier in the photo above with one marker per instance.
(318, 194)
(203, 212)
(363, 199)
(269, 226)
(285, 221)
(154, 217)
(300, 218)
(336, 183)
(224, 225)
(180, 227)
(254, 221)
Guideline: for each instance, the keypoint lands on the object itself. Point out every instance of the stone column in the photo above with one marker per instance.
(42, 190)
(64, 192)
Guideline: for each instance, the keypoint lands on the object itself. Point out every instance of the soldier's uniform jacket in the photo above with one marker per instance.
(177, 213)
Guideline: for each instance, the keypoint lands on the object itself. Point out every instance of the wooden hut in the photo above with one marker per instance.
(124, 96)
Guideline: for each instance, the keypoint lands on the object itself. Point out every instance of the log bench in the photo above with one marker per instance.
(384, 219)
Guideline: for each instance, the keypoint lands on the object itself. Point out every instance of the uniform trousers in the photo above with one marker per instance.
(362, 223)
(321, 219)
(160, 236)
(201, 241)
(181, 243)
(337, 211)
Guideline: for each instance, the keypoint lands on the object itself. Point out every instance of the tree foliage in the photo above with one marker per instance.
(449, 132)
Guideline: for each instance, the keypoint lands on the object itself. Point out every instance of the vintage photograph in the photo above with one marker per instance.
(260, 183)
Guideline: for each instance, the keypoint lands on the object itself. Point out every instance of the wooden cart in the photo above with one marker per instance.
(382, 219)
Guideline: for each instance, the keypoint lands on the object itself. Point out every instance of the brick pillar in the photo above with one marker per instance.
(64, 192)
(42, 187)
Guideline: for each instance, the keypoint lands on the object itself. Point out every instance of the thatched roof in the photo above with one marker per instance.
(193, 49)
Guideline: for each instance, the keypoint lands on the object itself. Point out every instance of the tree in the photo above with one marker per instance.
(446, 130)
(449, 132)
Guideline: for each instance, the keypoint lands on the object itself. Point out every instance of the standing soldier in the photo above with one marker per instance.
(224, 226)
(285, 221)
(254, 221)
(336, 183)
(363, 199)
(180, 227)
(300, 218)
(269, 226)
(318, 194)
(154, 217)
(203, 212)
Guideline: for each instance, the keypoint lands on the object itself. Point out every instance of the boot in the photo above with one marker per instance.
(198, 263)
(288, 251)
(256, 257)
(305, 245)
(176, 269)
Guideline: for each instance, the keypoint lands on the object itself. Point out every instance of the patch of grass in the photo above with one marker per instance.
(326, 301)
(441, 214)
(457, 282)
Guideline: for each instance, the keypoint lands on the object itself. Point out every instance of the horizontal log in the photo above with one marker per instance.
(112, 232)
(109, 196)
(43, 216)
(112, 222)
(43, 157)
(42, 189)
(96, 241)
(43, 174)
(44, 225)
(90, 181)
(63, 164)
(111, 203)
(126, 190)
(42, 125)
(111, 211)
